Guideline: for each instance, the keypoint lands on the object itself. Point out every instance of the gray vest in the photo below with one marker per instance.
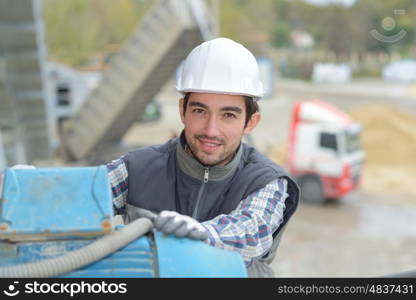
(165, 177)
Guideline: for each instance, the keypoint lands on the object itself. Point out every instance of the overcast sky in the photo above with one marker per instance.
(324, 2)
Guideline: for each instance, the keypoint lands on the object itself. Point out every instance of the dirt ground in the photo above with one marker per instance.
(372, 232)
(361, 236)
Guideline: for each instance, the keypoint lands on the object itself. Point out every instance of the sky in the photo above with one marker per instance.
(325, 2)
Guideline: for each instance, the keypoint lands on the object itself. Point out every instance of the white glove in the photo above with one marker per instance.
(14, 167)
(171, 222)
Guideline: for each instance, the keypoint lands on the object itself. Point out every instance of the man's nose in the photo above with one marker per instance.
(212, 127)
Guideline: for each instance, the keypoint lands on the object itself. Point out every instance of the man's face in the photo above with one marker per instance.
(214, 126)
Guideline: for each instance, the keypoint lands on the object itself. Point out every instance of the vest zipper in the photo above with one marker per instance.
(200, 192)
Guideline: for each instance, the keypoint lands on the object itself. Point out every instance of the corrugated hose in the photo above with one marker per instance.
(74, 260)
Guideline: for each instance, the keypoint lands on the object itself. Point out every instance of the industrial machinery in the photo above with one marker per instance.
(58, 222)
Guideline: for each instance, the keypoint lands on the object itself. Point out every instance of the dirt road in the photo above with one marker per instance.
(369, 233)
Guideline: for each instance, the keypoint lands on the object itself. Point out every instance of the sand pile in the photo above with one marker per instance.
(277, 153)
(389, 139)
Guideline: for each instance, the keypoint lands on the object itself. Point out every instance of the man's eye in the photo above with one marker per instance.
(197, 110)
(230, 116)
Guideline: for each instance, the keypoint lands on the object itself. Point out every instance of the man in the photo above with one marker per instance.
(206, 184)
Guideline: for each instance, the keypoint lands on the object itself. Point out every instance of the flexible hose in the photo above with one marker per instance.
(81, 257)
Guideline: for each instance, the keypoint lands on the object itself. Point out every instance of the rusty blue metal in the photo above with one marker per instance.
(47, 213)
(134, 260)
(53, 203)
(147, 257)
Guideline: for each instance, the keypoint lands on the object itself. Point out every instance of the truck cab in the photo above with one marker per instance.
(324, 151)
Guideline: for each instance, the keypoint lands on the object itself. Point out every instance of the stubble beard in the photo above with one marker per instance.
(223, 158)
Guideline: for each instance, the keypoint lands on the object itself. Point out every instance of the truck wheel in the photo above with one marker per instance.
(311, 190)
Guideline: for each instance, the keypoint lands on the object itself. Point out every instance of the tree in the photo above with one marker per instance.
(78, 29)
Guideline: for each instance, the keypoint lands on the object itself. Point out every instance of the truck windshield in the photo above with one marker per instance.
(353, 142)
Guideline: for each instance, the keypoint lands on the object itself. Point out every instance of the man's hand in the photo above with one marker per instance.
(171, 222)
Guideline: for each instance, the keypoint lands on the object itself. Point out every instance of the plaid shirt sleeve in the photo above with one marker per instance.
(248, 229)
(118, 176)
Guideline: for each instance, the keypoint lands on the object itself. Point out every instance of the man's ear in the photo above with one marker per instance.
(252, 123)
(181, 111)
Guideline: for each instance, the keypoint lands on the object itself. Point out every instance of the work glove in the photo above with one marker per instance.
(171, 222)
(134, 212)
(14, 167)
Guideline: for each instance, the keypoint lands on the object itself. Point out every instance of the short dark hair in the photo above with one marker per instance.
(251, 106)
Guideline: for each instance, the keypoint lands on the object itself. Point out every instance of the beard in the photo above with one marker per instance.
(208, 159)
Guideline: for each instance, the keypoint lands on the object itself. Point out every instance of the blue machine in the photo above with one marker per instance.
(48, 213)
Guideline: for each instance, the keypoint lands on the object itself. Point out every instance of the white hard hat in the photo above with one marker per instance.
(220, 66)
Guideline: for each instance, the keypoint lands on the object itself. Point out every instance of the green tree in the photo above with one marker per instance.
(282, 28)
(78, 29)
(373, 14)
(248, 22)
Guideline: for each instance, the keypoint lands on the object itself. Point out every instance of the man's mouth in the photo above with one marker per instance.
(209, 145)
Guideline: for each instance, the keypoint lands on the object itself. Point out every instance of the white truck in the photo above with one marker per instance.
(324, 152)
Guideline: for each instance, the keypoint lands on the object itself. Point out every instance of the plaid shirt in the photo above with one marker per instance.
(247, 229)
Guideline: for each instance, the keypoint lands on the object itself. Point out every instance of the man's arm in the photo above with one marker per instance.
(118, 176)
(249, 228)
